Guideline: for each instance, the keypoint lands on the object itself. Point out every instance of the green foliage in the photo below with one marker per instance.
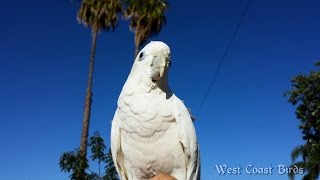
(305, 94)
(103, 13)
(72, 162)
(93, 176)
(146, 18)
(111, 172)
(97, 147)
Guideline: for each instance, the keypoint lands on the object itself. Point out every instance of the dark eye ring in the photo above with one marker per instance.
(141, 55)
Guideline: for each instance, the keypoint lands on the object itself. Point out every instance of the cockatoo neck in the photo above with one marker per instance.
(145, 82)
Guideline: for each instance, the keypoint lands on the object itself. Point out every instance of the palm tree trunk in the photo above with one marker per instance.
(88, 100)
(136, 45)
(136, 52)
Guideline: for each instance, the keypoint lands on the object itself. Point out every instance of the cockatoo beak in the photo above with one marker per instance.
(160, 64)
(164, 65)
(162, 68)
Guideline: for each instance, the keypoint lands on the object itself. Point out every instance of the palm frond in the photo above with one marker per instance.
(300, 164)
(103, 13)
(147, 17)
(296, 152)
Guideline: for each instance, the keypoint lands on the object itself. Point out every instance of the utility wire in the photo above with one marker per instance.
(223, 58)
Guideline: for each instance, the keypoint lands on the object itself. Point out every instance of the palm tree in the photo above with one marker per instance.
(97, 14)
(305, 94)
(310, 164)
(111, 172)
(97, 148)
(147, 19)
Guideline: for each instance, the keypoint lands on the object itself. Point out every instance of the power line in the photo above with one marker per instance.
(222, 59)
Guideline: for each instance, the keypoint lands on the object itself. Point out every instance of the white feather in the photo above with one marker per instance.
(152, 130)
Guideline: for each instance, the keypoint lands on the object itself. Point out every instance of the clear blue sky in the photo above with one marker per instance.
(245, 118)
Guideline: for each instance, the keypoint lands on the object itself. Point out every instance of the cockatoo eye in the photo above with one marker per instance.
(141, 55)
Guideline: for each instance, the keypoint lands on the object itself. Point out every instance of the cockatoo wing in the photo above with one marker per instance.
(188, 139)
(117, 155)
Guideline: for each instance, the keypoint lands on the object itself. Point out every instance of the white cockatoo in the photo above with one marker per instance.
(152, 130)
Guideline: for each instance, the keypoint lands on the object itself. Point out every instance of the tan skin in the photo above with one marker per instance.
(163, 176)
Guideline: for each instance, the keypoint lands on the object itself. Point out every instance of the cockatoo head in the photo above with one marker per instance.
(154, 60)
